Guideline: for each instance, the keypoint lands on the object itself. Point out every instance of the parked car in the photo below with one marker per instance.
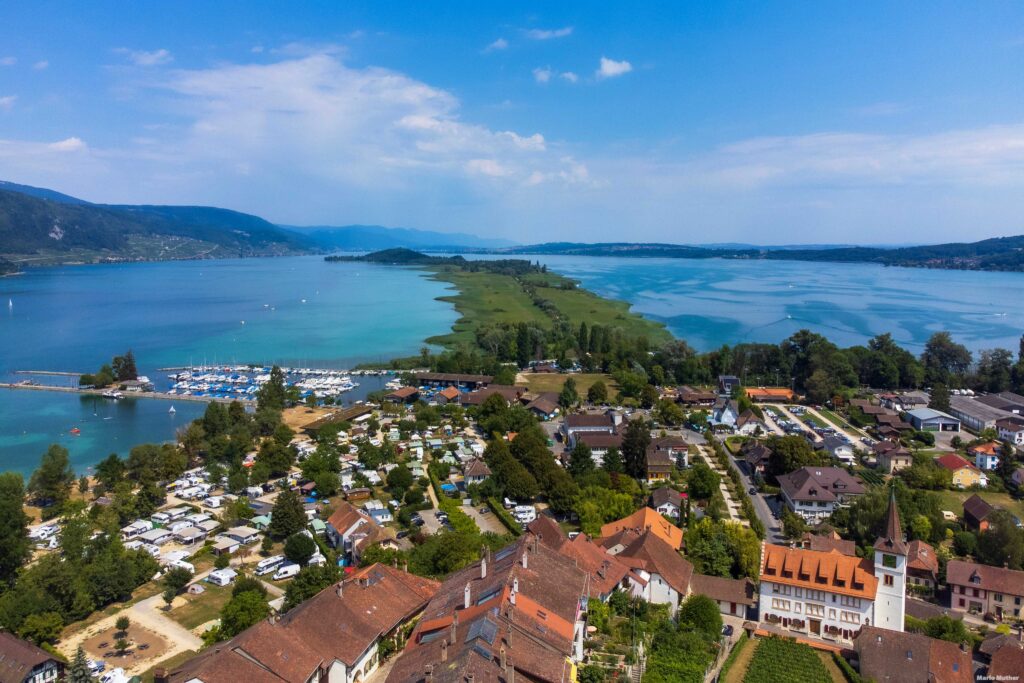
(752, 491)
(485, 510)
(287, 571)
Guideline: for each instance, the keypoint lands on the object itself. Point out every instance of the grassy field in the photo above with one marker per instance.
(171, 663)
(201, 608)
(954, 501)
(488, 298)
(540, 382)
(738, 670)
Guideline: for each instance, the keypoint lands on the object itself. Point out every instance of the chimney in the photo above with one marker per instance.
(483, 568)
(469, 678)
(405, 566)
(465, 597)
(340, 588)
(524, 560)
(511, 676)
(501, 658)
(515, 585)
(430, 672)
(512, 598)
(455, 625)
(160, 674)
(444, 650)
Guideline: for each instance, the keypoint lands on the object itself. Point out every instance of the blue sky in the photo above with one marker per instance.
(683, 122)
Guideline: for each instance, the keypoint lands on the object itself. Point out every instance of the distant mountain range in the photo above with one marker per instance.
(999, 253)
(42, 226)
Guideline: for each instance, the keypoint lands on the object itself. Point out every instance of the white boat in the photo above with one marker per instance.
(110, 393)
(172, 411)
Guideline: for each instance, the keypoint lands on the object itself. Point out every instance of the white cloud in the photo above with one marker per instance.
(8, 61)
(144, 58)
(256, 49)
(487, 167)
(610, 68)
(7, 102)
(569, 76)
(542, 74)
(68, 145)
(40, 65)
(548, 34)
(499, 44)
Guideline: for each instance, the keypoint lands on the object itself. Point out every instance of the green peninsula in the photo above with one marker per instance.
(506, 292)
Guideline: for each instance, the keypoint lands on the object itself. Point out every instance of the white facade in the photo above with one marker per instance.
(656, 590)
(812, 511)
(812, 612)
(891, 572)
(984, 461)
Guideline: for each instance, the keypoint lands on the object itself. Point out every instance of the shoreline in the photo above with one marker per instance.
(99, 392)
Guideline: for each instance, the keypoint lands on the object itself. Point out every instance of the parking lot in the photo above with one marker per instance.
(486, 522)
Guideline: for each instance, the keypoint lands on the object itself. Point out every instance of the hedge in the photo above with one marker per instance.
(502, 514)
(848, 671)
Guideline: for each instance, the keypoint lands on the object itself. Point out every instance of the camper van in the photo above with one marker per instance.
(269, 564)
(286, 571)
(524, 514)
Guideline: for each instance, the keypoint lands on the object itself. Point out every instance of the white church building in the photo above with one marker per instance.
(830, 595)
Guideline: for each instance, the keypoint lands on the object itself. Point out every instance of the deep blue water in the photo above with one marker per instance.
(191, 312)
(714, 302)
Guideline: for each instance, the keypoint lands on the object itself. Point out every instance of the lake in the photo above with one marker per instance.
(713, 302)
(301, 311)
(297, 311)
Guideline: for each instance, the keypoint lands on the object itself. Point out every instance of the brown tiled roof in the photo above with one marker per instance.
(547, 530)
(740, 591)
(477, 468)
(690, 395)
(748, 416)
(643, 519)
(1007, 662)
(532, 631)
(921, 556)
(404, 392)
(326, 627)
(819, 484)
(544, 404)
(895, 657)
(622, 538)
(18, 657)
(606, 571)
(589, 420)
(977, 508)
(659, 462)
(1011, 424)
(996, 641)
(891, 539)
(756, 453)
(996, 579)
(652, 554)
(826, 542)
(600, 440)
(452, 377)
(831, 571)
(664, 494)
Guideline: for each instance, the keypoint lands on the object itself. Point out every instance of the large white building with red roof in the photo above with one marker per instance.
(829, 595)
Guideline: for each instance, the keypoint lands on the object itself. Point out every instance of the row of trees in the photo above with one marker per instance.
(120, 369)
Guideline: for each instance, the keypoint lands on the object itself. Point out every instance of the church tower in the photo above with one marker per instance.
(891, 571)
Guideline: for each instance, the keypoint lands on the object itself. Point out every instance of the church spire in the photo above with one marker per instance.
(892, 540)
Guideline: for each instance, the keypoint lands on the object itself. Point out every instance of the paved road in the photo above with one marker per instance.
(772, 426)
(784, 411)
(772, 526)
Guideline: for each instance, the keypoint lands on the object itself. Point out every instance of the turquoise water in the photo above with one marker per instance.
(190, 312)
(714, 302)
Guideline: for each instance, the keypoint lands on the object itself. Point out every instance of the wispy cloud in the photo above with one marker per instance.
(499, 44)
(67, 145)
(146, 58)
(548, 34)
(40, 65)
(569, 76)
(7, 102)
(542, 74)
(610, 68)
(8, 61)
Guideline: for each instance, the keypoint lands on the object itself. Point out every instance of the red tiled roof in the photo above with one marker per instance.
(952, 462)
(643, 519)
(740, 591)
(998, 579)
(651, 553)
(895, 657)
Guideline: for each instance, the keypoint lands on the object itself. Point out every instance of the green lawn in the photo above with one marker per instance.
(540, 382)
(954, 501)
(201, 608)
